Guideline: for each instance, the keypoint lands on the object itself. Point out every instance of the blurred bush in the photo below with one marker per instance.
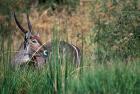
(57, 4)
(117, 29)
(7, 7)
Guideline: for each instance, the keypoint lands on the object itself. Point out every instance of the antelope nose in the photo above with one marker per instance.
(45, 53)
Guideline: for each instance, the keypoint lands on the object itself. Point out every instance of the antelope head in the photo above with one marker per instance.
(32, 45)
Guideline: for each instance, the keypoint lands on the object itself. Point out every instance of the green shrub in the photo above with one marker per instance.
(116, 29)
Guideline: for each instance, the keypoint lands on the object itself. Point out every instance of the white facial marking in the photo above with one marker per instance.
(26, 55)
(45, 52)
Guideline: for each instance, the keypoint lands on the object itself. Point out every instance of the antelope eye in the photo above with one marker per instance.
(34, 41)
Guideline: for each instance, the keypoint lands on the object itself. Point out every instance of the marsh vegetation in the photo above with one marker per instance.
(107, 32)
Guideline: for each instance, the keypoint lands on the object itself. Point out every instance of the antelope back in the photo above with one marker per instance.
(67, 52)
(71, 52)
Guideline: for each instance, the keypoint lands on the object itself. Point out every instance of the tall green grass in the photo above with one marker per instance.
(59, 76)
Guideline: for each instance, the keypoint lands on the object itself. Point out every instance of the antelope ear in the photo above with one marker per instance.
(18, 24)
(37, 34)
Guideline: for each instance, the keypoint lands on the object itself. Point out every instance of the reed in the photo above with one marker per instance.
(60, 76)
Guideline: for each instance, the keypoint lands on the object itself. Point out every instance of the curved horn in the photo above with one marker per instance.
(29, 23)
(20, 27)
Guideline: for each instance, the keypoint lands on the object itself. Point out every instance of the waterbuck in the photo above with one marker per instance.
(32, 49)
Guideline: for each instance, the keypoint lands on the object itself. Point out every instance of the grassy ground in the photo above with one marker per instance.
(114, 77)
(92, 77)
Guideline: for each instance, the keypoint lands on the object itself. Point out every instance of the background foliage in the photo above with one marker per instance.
(117, 28)
(116, 37)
